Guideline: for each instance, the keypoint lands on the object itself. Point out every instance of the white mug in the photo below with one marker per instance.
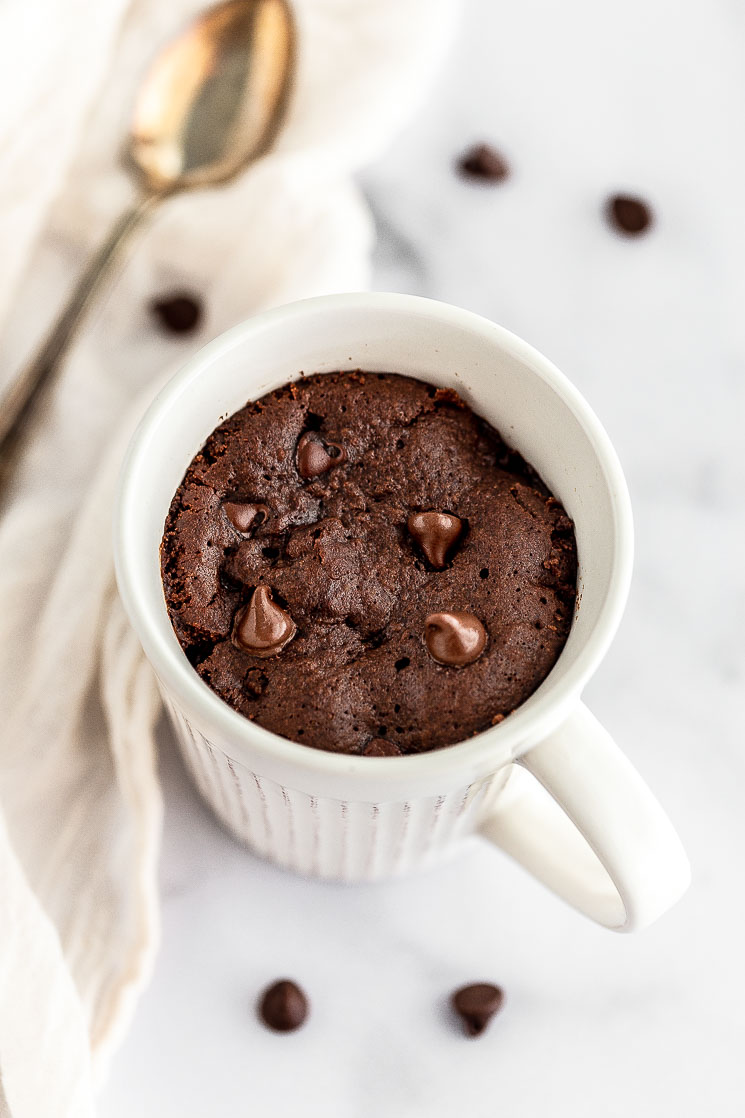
(547, 785)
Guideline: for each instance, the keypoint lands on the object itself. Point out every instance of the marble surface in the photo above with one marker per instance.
(583, 99)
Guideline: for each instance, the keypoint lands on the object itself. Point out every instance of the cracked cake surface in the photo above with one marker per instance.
(358, 562)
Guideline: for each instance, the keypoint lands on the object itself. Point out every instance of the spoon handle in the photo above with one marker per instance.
(19, 401)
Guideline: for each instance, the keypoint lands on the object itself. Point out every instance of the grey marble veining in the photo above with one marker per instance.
(583, 100)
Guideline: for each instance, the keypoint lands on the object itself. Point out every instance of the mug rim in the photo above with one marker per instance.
(485, 751)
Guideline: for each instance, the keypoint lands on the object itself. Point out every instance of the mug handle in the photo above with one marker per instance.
(599, 838)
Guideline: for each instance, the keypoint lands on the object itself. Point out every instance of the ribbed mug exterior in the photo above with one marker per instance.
(340, 840)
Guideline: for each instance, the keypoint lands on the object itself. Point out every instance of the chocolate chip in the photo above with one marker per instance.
(476, 1005)
(483, 162)
(315, 456)
(262, 627)
(381, 747)
(454, 638)
(436, 533)
(244, 515)
(629, 215)
(283, 1006)
(178, 313)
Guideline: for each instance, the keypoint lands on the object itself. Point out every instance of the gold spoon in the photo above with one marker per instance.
(212, 102)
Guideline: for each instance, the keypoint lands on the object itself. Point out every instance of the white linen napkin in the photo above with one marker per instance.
(80, 806)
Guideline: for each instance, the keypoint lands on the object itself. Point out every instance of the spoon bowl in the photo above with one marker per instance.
(214, 98)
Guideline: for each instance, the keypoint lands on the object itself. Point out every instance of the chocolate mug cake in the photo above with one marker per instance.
(358, 562)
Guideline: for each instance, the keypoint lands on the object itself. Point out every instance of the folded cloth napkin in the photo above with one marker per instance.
(80, 806)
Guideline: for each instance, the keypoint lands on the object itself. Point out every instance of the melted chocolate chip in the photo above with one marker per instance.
(436, 533)
(628, 215)
(178, 313)
(476, 1005)
(283, 1006)
(262, 627)
(315, 456)
(483, 162)
(454, 638)
(381, 747)
(245, 516)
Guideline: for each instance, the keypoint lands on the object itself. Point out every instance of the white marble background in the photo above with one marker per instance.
(583, 98)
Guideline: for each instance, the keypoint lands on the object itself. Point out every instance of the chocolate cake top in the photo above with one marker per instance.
(358, 562)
